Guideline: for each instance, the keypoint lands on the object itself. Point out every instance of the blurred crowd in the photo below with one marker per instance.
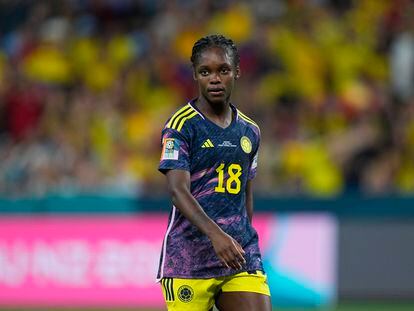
(86, 86)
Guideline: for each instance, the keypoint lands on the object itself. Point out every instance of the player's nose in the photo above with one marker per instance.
(215, 78)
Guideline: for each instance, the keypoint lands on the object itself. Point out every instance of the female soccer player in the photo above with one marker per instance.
(210, 253)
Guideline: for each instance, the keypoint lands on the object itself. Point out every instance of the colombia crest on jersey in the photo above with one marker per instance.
(220, 162)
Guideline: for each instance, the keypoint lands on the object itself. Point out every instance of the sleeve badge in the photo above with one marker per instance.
(170, 149)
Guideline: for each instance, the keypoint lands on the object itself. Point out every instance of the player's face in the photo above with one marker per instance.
(215, 74)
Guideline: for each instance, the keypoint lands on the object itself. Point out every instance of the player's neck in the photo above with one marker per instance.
(219, 113)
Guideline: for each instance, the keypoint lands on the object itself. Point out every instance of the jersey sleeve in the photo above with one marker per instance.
(254, 159)
(175, 151)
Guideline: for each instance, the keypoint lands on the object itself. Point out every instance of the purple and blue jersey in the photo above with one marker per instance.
(220, 162)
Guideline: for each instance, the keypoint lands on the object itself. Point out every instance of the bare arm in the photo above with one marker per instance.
(227, 249)
(249, 200)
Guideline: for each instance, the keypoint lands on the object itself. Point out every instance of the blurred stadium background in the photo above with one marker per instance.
(85, 87)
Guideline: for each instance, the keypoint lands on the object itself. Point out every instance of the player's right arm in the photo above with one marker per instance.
(227, 249)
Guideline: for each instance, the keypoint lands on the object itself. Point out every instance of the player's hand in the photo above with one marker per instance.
(228, 250)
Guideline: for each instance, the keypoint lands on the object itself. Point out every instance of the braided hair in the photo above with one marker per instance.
(215, 41)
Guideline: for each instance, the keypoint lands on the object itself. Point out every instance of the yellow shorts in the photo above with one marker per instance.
(198, 294)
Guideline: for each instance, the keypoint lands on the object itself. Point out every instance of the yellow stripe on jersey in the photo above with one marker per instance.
(185, 119)
(247, 119)
(178, 113)
(181, 117)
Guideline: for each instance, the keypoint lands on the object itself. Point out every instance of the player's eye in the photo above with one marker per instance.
(225, 70)
(204, 72)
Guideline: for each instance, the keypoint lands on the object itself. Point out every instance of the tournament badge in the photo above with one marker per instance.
(170, 149)
(246, 144)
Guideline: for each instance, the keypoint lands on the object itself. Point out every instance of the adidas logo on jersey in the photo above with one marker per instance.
(207, 144)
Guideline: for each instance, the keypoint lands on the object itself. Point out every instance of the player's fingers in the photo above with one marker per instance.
(231, 260)
(237, 259)
(238, 265)
(224, 262)
(241, 260)
(232, 256)
(234, 264)
(239, 252)
(240, 249)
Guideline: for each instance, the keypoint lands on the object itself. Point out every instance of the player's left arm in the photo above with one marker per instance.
(249, 199)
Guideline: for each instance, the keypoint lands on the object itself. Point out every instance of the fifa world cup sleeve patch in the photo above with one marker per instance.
(170, 149)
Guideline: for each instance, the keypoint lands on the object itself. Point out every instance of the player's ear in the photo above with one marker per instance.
(194, 74)
(238, 73)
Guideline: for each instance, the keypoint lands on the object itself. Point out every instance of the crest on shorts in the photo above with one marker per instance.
(185, 293)
(246, 144)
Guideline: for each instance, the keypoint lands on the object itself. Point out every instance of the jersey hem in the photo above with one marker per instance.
(208, 277)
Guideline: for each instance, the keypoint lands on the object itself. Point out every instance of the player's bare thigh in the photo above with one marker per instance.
(243, 301)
